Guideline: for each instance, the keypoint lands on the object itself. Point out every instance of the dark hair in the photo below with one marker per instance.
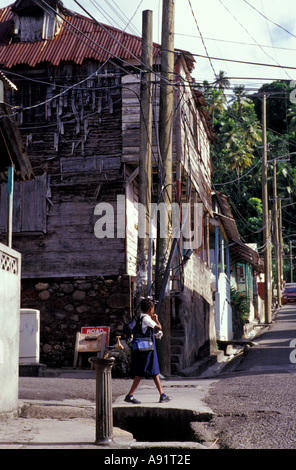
(146, 304)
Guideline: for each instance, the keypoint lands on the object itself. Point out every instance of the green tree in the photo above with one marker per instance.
(237, 150)
(216, 104)
(221, 82)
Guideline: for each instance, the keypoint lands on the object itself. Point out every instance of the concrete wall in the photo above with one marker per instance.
(197, 308)
(10, 274)
(223, 309)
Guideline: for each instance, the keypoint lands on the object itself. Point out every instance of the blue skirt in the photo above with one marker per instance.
(145, 364)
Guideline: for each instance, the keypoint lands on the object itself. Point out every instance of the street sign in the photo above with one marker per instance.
(95, 330)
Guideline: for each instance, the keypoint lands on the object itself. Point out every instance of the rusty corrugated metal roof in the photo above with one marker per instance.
(69, 45)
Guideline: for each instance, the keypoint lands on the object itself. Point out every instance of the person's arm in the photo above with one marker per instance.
(154, 317)
(152, 321)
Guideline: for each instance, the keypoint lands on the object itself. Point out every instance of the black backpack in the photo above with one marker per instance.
(138, 332)
(128, 329)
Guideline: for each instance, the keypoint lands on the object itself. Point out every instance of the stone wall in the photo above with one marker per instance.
(67, 305)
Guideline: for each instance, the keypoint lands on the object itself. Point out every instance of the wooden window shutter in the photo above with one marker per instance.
(29, 206)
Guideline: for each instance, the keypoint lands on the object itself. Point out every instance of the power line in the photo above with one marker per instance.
(251, 35)
(205, 47)
(268, 19)
(239, 43)
(68, 24)
(245, 62)
(238, 179)
(116, 11)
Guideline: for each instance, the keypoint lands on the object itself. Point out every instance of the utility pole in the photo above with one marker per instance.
(276, 238)
(281, 242)
(266, 231)
(291, 262)
(165, 178)
(145, 155)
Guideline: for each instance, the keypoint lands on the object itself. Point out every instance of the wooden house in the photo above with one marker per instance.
(78, 112)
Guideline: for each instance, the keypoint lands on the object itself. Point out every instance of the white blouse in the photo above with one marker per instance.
(147, 322)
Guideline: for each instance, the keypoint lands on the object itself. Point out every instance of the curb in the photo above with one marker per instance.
(57, 410)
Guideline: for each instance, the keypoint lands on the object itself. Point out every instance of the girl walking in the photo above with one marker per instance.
(146, 363)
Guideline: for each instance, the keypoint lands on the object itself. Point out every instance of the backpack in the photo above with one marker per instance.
(142, 342)
(128, 329)
(138, 332)
(133, 331)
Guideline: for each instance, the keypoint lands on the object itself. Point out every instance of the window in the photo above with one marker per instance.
(29, 206)
(27, 99)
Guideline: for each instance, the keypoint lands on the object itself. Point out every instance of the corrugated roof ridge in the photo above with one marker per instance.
(110, 41)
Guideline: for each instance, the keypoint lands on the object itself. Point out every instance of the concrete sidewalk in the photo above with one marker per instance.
(70, 424)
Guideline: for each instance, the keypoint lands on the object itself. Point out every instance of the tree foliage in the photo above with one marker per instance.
(237, 155)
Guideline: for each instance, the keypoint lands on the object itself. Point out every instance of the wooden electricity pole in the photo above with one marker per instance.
(165, 177)
(281, 242)
(144, 197)
(266, 229)
(291, 262)
(276, 236)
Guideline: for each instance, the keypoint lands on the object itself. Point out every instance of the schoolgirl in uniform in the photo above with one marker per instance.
(145, 364)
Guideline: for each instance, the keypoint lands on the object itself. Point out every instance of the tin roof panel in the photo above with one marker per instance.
(78, 39)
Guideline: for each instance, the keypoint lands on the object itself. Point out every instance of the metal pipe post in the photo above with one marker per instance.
(104, 413)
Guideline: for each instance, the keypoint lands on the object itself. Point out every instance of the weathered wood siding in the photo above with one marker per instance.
(28, 217)
(191, 146)
(131, 119)
(196, 154)
(76, 140)
(131, 228)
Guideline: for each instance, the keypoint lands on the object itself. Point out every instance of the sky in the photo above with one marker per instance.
(257, 31)
(231, 29)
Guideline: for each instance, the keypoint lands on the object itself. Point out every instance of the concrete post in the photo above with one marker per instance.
(104, 413)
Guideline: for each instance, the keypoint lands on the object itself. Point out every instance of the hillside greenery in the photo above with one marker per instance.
(237, 155)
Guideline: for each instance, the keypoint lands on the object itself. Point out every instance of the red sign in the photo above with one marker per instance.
(95, 330)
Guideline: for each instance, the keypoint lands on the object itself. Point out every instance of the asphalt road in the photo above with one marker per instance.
(254, 398)
(67, 387)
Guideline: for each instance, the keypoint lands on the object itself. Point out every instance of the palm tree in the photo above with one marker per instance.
(216, 102)
(252, 132)
(240, 99)
(240, 157)
(221, 82)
